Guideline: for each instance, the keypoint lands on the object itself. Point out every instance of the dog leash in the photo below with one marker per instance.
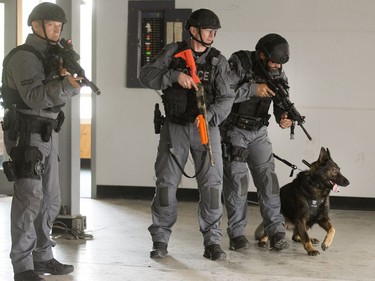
(294, 167)
(306, 163)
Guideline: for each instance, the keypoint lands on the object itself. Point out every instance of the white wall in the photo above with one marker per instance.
(330, 73)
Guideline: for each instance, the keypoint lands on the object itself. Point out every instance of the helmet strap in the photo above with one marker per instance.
(49, 41)
(200, 41)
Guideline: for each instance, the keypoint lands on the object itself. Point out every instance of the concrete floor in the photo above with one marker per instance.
(121, 244)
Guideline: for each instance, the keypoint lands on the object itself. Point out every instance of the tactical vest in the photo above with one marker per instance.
(255, 106)
(11, 97)
(180, 104)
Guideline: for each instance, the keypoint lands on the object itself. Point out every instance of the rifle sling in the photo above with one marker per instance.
(170, 146)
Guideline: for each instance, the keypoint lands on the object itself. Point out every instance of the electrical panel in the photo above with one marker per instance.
(151, 25)
(152, 35)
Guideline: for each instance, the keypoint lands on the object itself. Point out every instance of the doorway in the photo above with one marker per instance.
(85, 97)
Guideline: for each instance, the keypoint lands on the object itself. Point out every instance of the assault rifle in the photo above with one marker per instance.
(70, 58)
(204, 133)
(280, 87)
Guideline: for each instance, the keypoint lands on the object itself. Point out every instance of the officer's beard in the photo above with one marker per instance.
(275, 72)
(272, 70)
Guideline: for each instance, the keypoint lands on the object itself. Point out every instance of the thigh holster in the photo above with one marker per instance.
(234, 153)
(239, 154)
(26, 163)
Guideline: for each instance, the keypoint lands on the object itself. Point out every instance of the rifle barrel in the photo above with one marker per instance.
(305, 131)
(90, 84)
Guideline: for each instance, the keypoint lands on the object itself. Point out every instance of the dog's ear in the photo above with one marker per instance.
(323, 156)
(328, 153)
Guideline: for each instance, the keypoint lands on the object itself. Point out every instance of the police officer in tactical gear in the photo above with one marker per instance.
(34, 89)
(246, 143)
(179, 133)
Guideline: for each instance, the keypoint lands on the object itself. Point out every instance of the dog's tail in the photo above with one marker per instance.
(259, 232)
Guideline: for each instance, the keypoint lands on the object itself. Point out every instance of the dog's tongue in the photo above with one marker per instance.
(336, 188)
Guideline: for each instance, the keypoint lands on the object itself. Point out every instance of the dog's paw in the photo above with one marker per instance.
(296, 238)
(314, 241)
(313, 253)
(262, 244)
(325, 247)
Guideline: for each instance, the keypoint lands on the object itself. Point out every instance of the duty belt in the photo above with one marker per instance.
(247, 122)
(35, 124)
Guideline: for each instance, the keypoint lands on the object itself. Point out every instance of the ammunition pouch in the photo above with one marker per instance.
(59, 121)
(11, 124)
(180, 105)
(248, 123)
(26, 163)
(10, 170)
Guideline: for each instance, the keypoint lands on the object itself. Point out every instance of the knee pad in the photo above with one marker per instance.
(28, 220)
(163, 197)
(275, 184)
(244, 186)
(214, 197)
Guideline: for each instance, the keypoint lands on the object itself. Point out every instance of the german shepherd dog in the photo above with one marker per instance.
(305, 202)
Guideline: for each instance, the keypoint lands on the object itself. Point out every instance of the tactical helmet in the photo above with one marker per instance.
(203, 18)
(275, 47)
(47, 11)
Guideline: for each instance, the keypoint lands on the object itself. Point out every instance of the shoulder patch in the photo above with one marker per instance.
(27, 82)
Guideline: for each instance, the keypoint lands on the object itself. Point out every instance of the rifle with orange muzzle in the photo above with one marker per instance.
(187, 55)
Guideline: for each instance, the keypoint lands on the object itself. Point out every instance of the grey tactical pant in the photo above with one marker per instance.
(237, 179)
(168, 176)
(35, 205)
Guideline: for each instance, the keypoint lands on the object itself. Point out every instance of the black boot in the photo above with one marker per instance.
(52, 267)
(278, 241)
(159, 250)
(239, 243)
(214, 252)
(28, 275)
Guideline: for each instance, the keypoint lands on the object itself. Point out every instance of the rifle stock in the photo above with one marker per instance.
(70, 58)
(204, 132)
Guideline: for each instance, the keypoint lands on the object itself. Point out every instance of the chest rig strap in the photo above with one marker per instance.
(181, 104)
(253, 111)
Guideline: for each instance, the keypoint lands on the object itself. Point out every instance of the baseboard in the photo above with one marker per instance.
(137, 192)
(85, 163)
(185, 194)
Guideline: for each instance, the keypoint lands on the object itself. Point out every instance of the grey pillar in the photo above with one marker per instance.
(69, 145)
